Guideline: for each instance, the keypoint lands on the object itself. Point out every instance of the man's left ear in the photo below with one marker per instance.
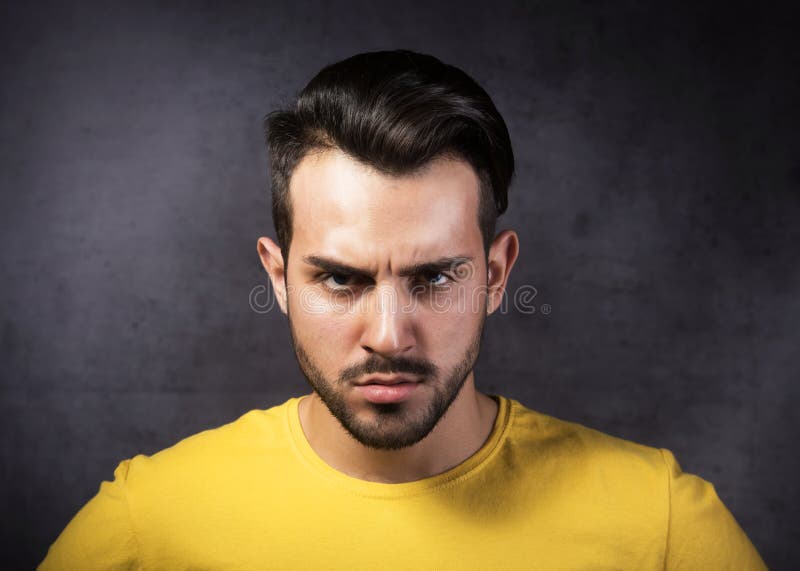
(502, 254)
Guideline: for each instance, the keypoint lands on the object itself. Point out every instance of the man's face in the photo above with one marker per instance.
(386, 299)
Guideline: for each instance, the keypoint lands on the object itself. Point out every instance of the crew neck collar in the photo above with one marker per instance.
(466, 469)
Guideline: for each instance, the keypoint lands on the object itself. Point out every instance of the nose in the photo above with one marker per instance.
(387, 323)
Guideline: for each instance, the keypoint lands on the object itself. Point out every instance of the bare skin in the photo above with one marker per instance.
(382, 234)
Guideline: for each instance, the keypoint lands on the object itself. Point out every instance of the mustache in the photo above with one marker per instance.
(376, 364)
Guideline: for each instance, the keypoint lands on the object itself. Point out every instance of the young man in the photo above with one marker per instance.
(389, 173)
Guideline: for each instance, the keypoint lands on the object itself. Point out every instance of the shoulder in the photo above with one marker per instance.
(587, 467)
(258, 434)
(638, 493)
(206, 476)
(540, 433)
(160, 504)
(595, 484)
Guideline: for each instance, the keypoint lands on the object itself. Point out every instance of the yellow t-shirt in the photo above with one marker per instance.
(540, 494)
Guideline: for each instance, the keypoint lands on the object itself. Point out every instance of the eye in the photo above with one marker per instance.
(435, 279)
(337, 281)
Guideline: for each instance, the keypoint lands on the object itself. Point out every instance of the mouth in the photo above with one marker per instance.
(387, 380)
(385, 389)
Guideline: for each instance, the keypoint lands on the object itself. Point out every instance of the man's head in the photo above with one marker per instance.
(388, 176)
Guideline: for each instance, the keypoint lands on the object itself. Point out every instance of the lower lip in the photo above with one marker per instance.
(382, 394)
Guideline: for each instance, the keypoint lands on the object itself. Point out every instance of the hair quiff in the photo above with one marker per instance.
(394, 111)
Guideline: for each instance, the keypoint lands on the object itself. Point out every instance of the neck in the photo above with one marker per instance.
(461, 432)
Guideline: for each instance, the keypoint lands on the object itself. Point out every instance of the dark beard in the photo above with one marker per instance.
(395, 426)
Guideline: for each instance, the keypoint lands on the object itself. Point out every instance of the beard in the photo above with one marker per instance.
(393, 425)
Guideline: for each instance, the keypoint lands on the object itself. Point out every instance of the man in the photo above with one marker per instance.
(388, 175)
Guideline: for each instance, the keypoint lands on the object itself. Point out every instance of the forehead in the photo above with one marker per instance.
(343, 208)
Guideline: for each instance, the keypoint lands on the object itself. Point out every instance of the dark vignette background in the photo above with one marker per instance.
(657, 202)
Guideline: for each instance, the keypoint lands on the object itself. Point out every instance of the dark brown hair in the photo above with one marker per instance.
(394, 111)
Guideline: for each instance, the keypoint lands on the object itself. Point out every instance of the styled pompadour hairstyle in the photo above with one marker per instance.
(394, 111)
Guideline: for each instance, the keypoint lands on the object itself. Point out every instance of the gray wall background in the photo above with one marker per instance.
(657, 203)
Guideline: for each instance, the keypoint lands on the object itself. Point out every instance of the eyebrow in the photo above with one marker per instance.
(333, 266)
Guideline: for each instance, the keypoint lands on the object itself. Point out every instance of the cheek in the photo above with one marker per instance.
(323, 332)
(448, 331)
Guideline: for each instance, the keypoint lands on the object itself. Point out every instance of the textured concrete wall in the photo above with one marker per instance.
(657, 202)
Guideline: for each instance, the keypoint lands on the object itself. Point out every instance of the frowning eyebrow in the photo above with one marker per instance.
(436, 266)
(333, 266)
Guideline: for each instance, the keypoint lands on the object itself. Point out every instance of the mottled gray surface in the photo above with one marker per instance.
(657, 201)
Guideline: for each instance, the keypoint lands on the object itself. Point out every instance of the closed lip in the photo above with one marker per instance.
(387, 380)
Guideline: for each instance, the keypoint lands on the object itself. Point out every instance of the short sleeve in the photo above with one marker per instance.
(100, 536)
(702, 533)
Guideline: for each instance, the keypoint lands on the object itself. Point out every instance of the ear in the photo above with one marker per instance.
(502, 254)
(272, 260)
